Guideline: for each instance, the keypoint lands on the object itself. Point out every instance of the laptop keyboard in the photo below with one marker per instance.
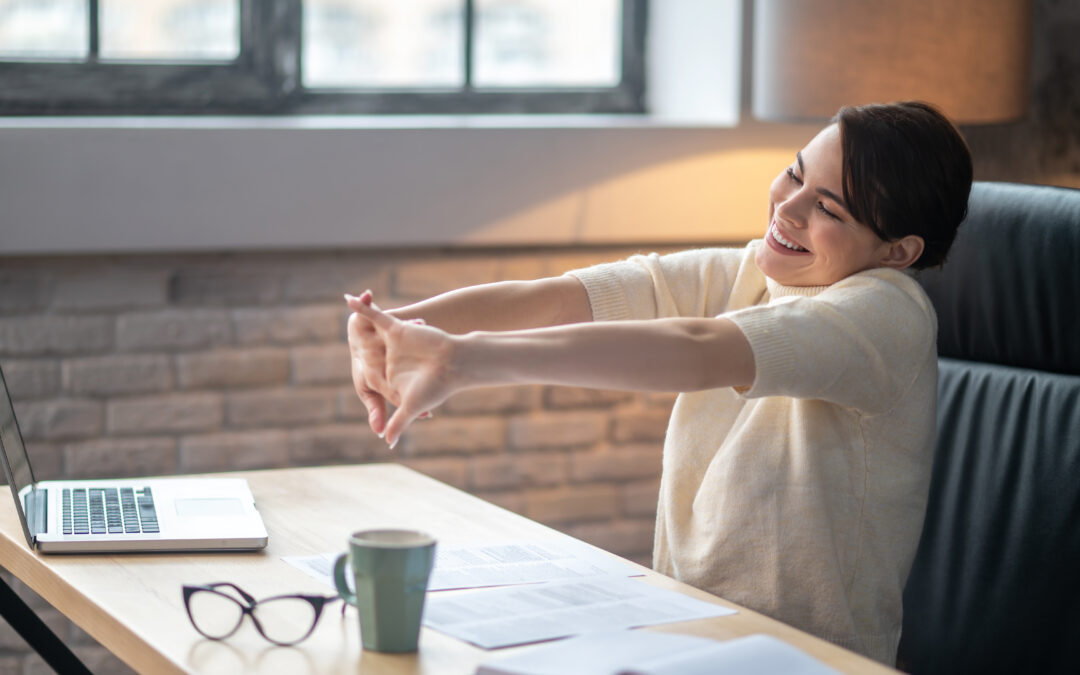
(107, 510)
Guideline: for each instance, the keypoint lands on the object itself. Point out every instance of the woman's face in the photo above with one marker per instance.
(812, 240)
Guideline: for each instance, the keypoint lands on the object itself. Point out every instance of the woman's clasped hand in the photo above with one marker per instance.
(405, 363)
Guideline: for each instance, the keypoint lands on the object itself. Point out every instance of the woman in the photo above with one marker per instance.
(797, 461)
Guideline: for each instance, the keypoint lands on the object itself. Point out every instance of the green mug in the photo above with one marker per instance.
(391, 570)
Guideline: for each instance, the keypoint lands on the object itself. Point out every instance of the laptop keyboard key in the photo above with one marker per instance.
(147, 511)
(97, 511)
(65, 512)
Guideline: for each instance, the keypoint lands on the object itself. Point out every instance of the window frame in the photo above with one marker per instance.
(265, 77)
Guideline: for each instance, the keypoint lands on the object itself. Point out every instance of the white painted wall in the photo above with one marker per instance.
(160, 184)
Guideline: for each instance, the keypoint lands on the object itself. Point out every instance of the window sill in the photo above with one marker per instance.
(365, 122)
(91, 185)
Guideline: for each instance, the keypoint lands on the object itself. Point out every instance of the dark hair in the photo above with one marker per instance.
(906, 170)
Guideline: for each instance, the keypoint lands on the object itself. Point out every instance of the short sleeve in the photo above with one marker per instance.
(859, 343)
(694, 283)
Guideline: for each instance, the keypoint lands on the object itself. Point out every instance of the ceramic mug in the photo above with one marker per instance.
(390, 569)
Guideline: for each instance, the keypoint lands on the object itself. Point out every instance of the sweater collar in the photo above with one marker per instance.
(778, 290)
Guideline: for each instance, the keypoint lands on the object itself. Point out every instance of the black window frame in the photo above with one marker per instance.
(265, 80)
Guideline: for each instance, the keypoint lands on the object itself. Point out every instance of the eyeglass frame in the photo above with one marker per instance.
(318, 603)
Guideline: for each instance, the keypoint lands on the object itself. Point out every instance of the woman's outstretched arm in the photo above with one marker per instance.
(506, 305)
(425, 365)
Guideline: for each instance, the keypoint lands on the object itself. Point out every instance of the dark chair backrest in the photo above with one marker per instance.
(995, 587)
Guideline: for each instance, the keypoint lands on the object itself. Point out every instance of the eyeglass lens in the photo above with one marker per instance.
(215, 614)
(285, 620)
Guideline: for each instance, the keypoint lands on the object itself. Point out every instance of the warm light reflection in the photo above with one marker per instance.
(717, 197)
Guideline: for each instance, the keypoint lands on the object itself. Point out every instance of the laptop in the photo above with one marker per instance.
(109, 516)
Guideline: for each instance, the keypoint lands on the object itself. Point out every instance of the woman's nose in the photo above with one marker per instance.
(792, 211)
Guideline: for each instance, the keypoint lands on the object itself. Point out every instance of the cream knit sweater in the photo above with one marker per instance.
(803, 496)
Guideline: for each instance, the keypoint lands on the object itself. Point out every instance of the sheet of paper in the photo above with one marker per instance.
(651, 653)
(511, 615)
(523, 562)
(495, 564)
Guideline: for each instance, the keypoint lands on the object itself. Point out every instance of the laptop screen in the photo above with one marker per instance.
(13, 453)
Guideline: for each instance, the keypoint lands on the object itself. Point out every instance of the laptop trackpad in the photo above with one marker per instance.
(209, 506)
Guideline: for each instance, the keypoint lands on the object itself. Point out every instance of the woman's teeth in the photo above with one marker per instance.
(780, 238)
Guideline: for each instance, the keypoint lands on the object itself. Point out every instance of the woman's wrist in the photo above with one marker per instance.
(472, 359)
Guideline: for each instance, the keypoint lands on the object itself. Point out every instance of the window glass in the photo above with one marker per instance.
(44, 29)
(379, 44)
(550, 43)
(170, 29)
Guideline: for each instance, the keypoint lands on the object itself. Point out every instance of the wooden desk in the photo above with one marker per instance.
(132, 603)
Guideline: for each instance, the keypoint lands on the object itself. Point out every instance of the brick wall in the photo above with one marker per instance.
(141, 365)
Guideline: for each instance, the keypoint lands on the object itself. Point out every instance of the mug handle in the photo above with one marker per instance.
(339, 579)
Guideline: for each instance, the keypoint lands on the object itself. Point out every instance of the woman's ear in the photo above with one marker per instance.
(903, 252)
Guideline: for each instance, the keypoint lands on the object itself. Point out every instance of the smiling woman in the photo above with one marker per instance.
(797, 460)
(844, 207)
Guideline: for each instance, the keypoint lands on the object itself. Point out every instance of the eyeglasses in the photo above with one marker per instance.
(282, 619)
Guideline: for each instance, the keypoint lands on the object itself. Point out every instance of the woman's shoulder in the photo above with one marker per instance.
(884, 288)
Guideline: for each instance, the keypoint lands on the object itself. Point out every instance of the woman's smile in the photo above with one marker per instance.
(777, 240)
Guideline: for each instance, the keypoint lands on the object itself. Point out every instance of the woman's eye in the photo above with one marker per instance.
(821, 207)
(792, 176)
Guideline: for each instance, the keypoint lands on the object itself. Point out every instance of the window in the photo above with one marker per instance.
(321, 56)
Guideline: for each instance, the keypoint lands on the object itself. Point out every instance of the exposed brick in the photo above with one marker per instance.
(448, 470)
(117, 374)
(321, 364)
(618, 463)
(237, 450)
(524, 267)
(662, 400)
(290, 325)
(494, 400)
(624, 537)
(60, 419)
(511, 501)
(579, 259)
(349, 405)
(48, 334)
(47, 459)
(281, 407)
(574, 397)
(571, 504)
(233, 368)
(557, 430)
(121, 457)
(327, 281)
(425, 278)
(641, 424)
(639, 498)
(336, 444)
(504, 472)
(173, 330)
(454, 435)
(24, 290)
(644, 559)
(32, 379)
(166, 413)
(225, 287)
(96, 289)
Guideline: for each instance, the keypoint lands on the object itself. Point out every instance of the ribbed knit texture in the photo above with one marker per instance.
(802, 496)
